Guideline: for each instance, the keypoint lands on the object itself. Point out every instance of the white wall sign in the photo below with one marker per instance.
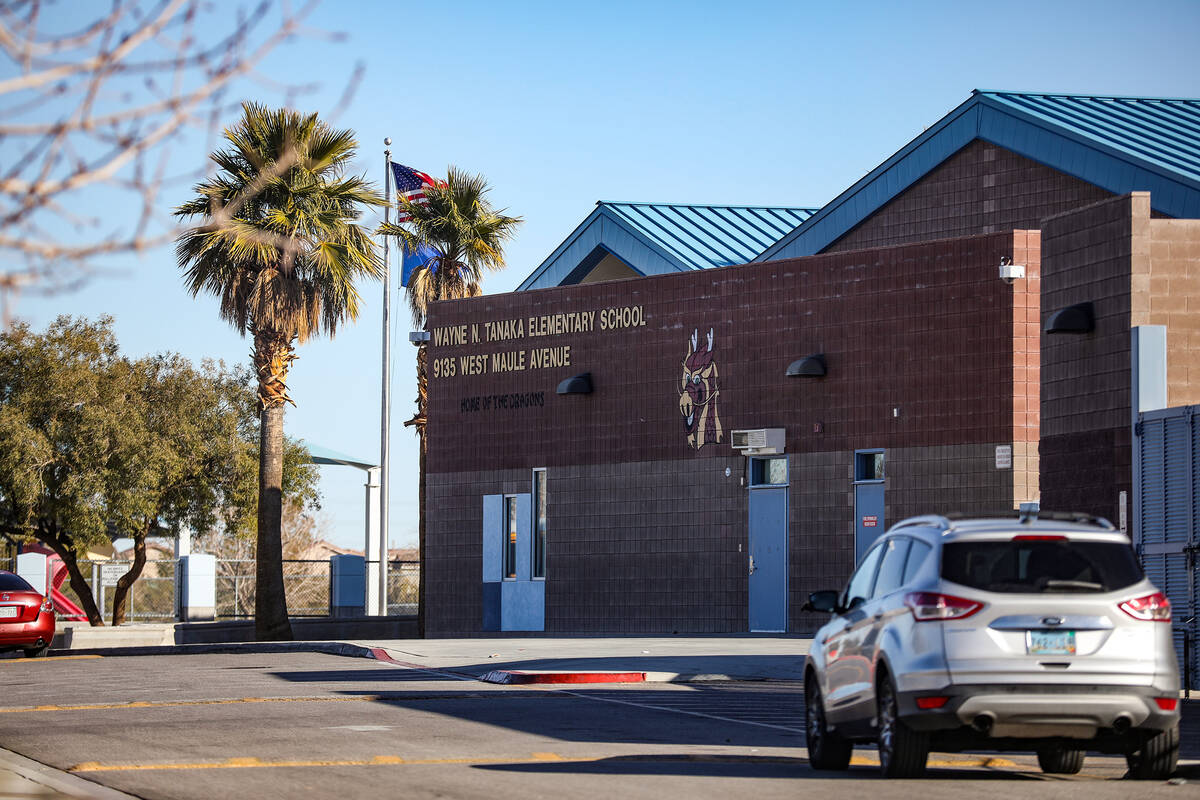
(1004, 456)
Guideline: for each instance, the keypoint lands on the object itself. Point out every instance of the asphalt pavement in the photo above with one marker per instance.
(661, 658)
(738, 662)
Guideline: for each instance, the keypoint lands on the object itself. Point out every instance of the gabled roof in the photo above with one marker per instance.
(1121, 144)
(654, 238)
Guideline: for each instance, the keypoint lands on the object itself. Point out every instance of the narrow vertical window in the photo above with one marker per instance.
(539, 523)
(510, 537)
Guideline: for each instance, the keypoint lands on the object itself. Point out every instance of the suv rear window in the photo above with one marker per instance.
(13, 583)
(1041, 566)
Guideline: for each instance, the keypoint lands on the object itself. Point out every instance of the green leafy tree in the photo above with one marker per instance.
(468, 235)
(94, 446)
(68, 415)
(280, 248)
(196, 466)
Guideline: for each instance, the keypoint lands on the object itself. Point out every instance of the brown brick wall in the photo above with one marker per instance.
(1136, 269)
(661, 547)
(648, 535)
(927, 329)
(980, 189)
(632, 548)
(1086, 256)
(1092, 254)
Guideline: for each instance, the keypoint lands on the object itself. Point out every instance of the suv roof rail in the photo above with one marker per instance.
(1027, 515)
(936, 520)
(1076, 516)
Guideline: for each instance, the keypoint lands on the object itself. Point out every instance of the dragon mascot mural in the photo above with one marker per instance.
(698, 393)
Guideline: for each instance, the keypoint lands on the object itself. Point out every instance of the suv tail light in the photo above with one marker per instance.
(1167, 703)
(1151, 608)
(927, 606)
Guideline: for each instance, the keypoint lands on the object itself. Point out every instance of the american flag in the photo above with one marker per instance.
(411, 184)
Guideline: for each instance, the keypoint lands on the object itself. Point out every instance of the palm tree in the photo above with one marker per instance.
(467, 236)
(280, 248)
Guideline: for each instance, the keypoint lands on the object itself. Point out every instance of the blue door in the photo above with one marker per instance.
(868, 500)
(768, 545)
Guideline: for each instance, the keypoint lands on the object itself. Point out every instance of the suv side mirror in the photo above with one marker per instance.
(825, 600)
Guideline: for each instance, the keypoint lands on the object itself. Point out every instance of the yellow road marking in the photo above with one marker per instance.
(255, 763)
(44, 658)
(363, 698)
(250, 762)
(981, 761)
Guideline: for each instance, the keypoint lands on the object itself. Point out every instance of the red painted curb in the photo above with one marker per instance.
(379, 654)
(519, 677)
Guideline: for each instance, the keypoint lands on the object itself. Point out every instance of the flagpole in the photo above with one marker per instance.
(380, 598)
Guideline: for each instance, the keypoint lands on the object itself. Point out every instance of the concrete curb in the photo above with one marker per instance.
(517, 677)
(331, 648)
(64, 783)
(509, 677)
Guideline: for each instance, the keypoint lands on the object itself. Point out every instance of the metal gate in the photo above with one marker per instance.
(1167, 479)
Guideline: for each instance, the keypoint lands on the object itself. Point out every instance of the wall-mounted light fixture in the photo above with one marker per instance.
(418, 338)
(808, 367)
(1079, 318)
(577, 384)
(1009, 272)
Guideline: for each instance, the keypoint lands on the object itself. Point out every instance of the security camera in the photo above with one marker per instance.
(1009, 272)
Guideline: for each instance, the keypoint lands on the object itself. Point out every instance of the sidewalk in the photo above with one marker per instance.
(22, 777)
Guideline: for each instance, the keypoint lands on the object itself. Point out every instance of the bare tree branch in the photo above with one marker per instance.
(89, 109)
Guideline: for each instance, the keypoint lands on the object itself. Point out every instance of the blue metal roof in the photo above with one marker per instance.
(653, 238)
(1121, 144)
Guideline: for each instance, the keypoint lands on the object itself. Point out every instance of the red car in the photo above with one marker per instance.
(26, 618)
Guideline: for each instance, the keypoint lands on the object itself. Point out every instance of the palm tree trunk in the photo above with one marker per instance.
(422, 560)
(272, 357)
(270, 602)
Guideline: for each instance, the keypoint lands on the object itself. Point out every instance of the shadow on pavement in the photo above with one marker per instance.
(763, 704)
(721, 766)
(370, 674)
(756, 667)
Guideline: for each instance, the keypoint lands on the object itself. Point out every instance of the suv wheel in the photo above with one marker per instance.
(1060, 760)
(826, 749)
(902, 751)
(1157, 757)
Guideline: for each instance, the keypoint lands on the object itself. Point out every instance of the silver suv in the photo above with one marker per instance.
(1031, 632)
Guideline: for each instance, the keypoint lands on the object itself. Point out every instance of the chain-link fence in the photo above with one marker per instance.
(403, 582)
(152, 597)
(235, 588)
(305, 585)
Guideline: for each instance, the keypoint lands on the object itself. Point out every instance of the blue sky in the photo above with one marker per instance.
(563, 104)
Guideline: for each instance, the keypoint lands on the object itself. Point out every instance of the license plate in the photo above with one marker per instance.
(1051, 643)
(8, 611)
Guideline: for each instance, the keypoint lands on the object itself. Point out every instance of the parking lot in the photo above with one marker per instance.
(234, 724)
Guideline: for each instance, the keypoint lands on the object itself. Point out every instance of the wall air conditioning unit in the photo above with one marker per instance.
(758, 442)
